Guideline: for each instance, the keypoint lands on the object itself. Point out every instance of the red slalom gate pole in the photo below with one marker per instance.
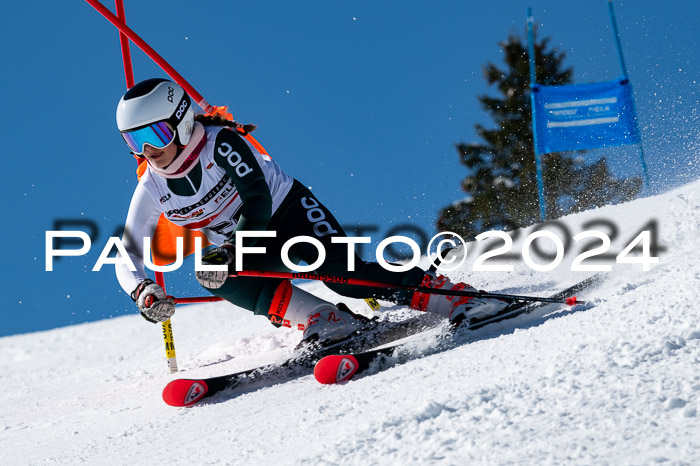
(153, 55)
(125, 33)
(422, 289)
(124, 43)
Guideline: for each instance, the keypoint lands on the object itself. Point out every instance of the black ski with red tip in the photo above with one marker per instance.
(187, 392)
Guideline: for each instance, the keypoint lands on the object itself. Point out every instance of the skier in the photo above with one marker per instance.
(203, 174)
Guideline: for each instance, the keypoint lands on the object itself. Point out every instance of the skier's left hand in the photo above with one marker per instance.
(223, 255)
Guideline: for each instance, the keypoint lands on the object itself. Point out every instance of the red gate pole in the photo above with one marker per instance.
(168, 337)
(124, 43)
(140, 43)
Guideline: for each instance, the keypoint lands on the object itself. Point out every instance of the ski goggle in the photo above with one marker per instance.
(158, 135)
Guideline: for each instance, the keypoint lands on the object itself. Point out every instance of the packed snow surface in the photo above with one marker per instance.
(616, 381)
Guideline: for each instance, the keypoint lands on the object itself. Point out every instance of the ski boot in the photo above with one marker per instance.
(331, 325)
(322, 322)
(457, 309)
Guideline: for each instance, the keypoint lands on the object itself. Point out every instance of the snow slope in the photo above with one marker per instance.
(614, 382)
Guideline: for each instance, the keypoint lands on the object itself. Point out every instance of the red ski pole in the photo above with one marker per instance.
(360, 282)
(140, 43)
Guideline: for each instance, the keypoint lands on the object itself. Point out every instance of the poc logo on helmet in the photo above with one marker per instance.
(234, 159)
(171, 94)
(180, 111)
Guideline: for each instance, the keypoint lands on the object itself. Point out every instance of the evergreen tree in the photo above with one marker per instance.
(501, 184)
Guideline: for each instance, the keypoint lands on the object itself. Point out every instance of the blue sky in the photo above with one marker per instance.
(361, 100)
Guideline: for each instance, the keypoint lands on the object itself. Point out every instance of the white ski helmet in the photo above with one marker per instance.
(153, 101)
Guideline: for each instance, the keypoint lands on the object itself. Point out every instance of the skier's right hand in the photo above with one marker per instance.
(223, 255)
(154, 305)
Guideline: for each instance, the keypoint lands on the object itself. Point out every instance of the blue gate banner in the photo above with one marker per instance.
(585, 116)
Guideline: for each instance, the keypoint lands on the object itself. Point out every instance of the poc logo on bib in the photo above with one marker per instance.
(234, 159)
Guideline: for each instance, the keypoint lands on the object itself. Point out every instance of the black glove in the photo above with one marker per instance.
(154, 305)
(223, 255)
